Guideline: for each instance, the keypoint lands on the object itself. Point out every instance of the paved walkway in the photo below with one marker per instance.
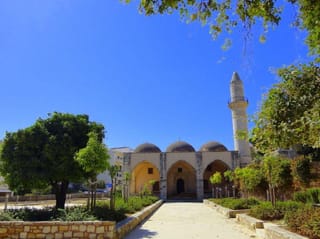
(189, 221)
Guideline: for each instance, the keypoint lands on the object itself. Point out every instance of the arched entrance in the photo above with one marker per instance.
(145, 179)
(181, 181)
(215, 166)
(180, 186)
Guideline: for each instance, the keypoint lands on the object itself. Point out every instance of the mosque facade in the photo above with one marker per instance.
(181, 171)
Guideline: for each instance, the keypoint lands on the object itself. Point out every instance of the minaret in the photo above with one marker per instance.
(238, 106)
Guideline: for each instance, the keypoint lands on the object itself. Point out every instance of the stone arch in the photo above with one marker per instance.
(210, 169)
(181, 180)
(141, 177)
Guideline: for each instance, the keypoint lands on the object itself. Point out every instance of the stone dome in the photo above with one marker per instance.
(147, 148)
(180, 146)
(213, 146)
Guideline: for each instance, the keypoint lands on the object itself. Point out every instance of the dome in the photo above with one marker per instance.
(147, 148)
(180, 146)
(213, 146)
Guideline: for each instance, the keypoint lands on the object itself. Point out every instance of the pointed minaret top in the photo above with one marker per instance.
(235, 77)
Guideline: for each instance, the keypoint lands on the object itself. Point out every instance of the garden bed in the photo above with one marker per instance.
(74, 229)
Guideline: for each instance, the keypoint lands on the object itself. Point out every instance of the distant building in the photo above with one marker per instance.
(182, 171)
(116, 158)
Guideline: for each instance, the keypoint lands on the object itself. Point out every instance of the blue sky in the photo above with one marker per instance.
(147, 79)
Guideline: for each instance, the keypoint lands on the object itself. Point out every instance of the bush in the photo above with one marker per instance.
(7, 216)
(32, 214)
(74, 214)
(103, 212)
(236, 203)
(305, 221)
(311, 195)
(265, 210)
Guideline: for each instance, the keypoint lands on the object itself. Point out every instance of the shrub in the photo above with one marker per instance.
(103, 212)
(236, 203)
(265, 210)
(7, 216)
(311, 195)
(74, 214)
(305, 221)
(32, 214)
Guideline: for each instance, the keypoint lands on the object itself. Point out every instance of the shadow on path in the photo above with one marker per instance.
(140, 233)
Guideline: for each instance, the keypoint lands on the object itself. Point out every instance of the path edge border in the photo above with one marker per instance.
(127, 225)
(227, 212)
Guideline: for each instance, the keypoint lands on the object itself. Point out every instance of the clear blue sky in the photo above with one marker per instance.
(147, 79)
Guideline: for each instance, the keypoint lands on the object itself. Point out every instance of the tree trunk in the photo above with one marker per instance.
(60, 190)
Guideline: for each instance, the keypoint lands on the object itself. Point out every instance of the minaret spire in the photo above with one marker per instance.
(238, 105)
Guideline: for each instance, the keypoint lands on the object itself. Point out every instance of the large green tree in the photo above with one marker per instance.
(224, 15)
(289, 115)
(44, 153)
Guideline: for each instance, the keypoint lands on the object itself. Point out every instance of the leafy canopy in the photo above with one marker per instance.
(290, 114)
(43, 154)
(225, 15)
(94, 157)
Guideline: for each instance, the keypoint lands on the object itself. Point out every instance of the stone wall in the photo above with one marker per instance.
(57, 230)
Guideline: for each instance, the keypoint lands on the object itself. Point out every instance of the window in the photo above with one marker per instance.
(150, 170)
(179, 170)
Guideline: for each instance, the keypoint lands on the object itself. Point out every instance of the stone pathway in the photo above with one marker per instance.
(189, 220)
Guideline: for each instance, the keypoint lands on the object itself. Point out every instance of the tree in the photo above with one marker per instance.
(126, 179)
(44, 153)
(215, 179)
(224, 15)
(113, 170)
(301, 172)
(289, 115)
(94, 159)
(277, 172)
(248, 178)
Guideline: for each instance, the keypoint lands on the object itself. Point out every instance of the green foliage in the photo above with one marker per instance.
(229, 175)
(101, 184)
(134, 203)
(32, 214)
(289, 115)
(93, 158)
(304, 221)
(43, 154)
(7, 216)
(301, 172)
(266, 211)
(223, 16)
(74, 214)
(248, 178)
(216, 178)
(103, 212)
(236, 203)
(311, 195)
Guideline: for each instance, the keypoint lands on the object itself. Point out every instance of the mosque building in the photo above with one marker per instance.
(181, 170)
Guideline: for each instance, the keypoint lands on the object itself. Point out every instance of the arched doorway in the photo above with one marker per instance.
(145, 178)
(180, 186)
(181, 181)
(215, 166)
